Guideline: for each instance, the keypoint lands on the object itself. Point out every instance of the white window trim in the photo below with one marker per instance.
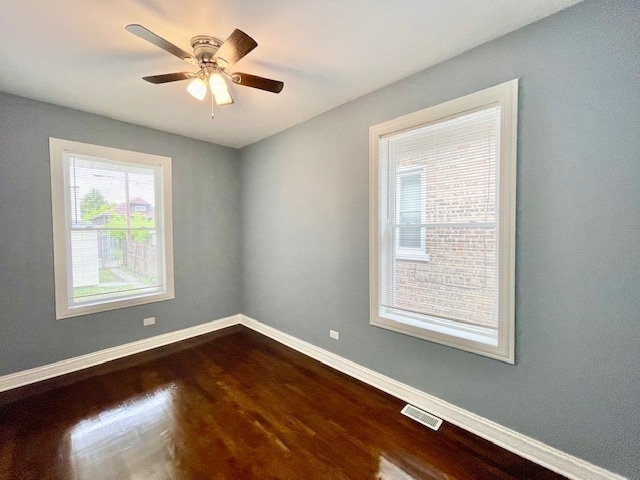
(506, 95)
(57, 149)
(407, 253)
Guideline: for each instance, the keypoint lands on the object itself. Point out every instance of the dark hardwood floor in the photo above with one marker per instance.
(230, 405)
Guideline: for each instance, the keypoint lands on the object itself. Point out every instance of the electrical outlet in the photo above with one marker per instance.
(149, 321)
(335, 335)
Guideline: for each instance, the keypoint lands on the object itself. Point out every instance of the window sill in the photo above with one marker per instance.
(88, 309)
(414, 258)
(480, 343)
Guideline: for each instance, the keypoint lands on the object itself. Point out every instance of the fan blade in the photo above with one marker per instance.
(158, 41)
(234, 48)
(255, 81)
(169, 77)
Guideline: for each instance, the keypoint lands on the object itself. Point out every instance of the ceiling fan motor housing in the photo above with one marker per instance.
(204, 49)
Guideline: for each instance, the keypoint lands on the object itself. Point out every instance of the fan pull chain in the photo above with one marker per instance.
(212, 117)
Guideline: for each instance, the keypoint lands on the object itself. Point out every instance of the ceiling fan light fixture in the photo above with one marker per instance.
(197, 88)
(220, 90)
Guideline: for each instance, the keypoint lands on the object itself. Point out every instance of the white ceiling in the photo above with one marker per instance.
(76, 53)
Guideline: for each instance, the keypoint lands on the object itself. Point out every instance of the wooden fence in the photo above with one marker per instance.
(142, 258)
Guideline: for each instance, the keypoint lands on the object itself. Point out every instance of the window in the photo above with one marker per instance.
(443, 222)
(411, 215)
(112, 228)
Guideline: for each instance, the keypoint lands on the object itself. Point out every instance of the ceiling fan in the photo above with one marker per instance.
(213, 56)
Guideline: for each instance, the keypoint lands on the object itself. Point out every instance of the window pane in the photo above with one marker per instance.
(103, 192)
(410, 192)
(107, 265)
(409, 236)
(459, 281)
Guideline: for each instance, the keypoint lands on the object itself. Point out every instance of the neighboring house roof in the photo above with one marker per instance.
(140, 202)
(145, 208)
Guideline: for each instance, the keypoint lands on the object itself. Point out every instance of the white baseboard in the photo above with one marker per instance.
(534, 450)
(74, 364)
(527, 447)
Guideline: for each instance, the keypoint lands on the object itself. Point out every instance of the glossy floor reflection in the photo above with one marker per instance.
(128, 438)
(230, 405)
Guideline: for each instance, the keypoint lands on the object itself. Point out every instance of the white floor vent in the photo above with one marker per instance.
(422, 417)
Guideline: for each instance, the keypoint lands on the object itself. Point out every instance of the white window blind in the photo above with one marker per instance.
(112, 232)
(454, 209)
(443, 222)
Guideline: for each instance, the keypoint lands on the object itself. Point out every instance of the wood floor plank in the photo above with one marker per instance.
(231, 405)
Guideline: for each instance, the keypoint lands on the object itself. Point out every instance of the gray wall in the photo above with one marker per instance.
(206, 225)
(300, 201)
(576, 384)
